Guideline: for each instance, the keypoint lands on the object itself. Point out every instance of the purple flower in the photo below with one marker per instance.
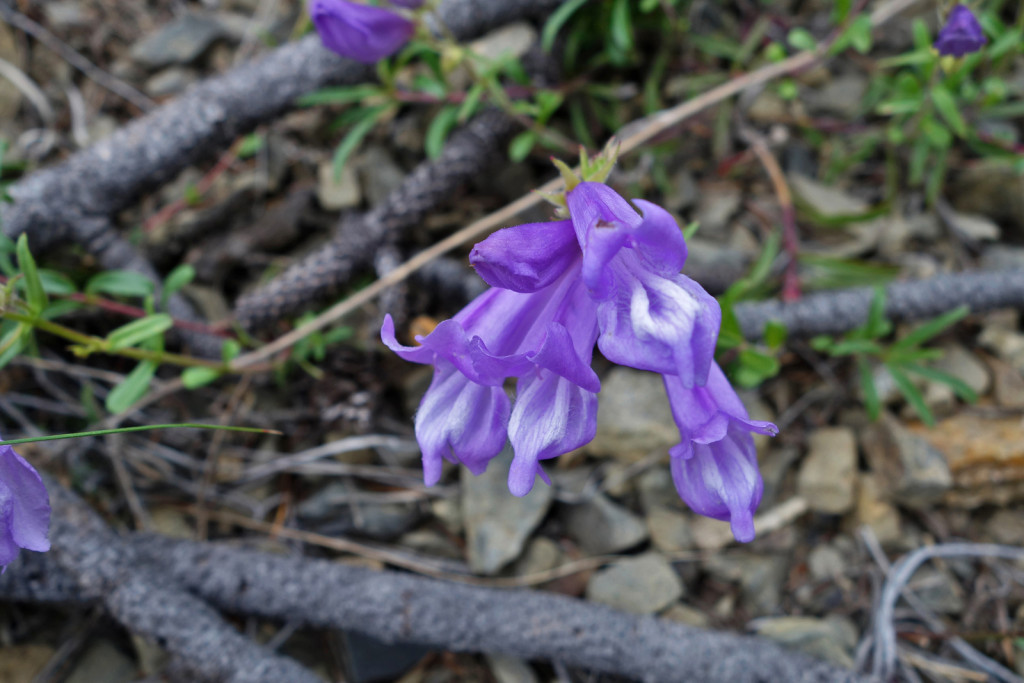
(544, 337)
(24, 507)
(609, 274)
(961, 35)
(651, 316)
(361, 32)
(714, 467)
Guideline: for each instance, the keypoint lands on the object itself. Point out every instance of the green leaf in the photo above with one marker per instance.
(621, 26)
(13, 340)
(931, 328)
(867, 384)
(877, 326)
(775, 334)
(556, 21)
(229, 350)
(947, 106)
(521, 145)
(56, 283)
(193, 378)
(35, 295)
(762, 363)
(120, 283)
(345, 94)
(822, 343)
(355, 135)
(250, 146)
(912, 394)
(134, 387)
(176, 279)
(139, 330)
(437, 131)
(801, 39)
(849, 347)
(959, 387)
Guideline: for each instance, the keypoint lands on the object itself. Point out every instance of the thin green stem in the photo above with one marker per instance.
(140, 428)
(93, 344)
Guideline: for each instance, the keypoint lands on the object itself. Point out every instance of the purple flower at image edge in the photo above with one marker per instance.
(961, 34)
(608, 274)
(24, 507)
(361, 32)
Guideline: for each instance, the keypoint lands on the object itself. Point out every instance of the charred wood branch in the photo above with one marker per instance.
(471, 151)
(843, 310)
(103, 568)
(393, 606)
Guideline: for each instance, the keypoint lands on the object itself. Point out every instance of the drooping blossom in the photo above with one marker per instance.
(609, 274)
(361, 32)
(961, 34)
(714, 467)
(24, 507)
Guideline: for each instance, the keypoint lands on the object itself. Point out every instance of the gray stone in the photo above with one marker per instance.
(1008, 384)
(641, 585)
(760, 577)
(341, 192)
(498, 524)
(635, 419)
(181, 41)
(877, 513)
(103, 663)
(379, 174)
(64, 15)
(170, 81)
(910, 470)
(842, 96)
(826, 562)
(511, 40)
(831, 639)
(976, 227)
(768, 108)
(719, 201)
(965, 366)
(670, 530)
(681, 192)
(1007, 527)
(541, 555)
(994, 190)
(830, 201)
(656, 489)
(828, 475)
(602, 527)
(685, 614)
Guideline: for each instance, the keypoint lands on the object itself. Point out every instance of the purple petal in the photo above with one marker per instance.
(28, 519)
(527, 257)
(603, 221)
(659, 240)
(722, 481)
(551, 416)
(460, 421)
(662, 324)
(961, 34)
(704, 414)
(361, 32)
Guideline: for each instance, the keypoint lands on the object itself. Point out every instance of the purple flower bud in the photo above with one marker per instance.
(961, 35)
(24, 507)
(361, 32)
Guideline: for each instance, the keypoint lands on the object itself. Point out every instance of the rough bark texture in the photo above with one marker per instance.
(843, 310)
(393, 606)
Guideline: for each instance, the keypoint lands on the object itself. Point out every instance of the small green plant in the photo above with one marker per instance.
(902, 357)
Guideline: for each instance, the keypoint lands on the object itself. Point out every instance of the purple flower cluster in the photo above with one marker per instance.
(362, 32)
(961, 34)
(24, 507)
(609, 275)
